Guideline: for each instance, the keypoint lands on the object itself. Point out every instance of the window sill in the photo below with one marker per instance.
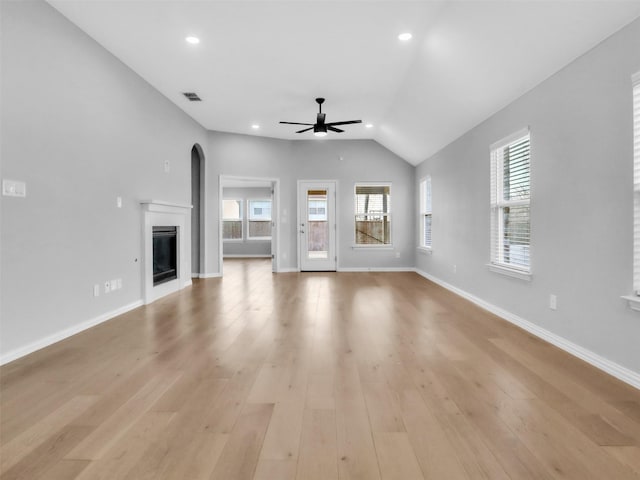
(259, 239)
(633, 301)
(232, 240)
(372, 247)
(510, 272)
(425, 250)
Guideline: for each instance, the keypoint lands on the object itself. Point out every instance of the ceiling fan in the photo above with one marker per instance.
(320, 127)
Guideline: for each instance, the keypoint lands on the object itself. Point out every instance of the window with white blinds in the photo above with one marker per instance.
(425, 212)
(510, 202)
(636, 183)
(372, 214)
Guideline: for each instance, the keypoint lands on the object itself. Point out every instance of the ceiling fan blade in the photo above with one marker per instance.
(334, 129)
(297, 123)
(320, 119)
(305, 130)
(348, 122)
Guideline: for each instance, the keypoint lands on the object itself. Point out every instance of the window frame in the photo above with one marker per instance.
(498, 205)
(388, 214)
(248, 218)
(425, 209)
(224, 219)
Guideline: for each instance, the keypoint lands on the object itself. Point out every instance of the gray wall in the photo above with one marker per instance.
(81, 129)
(581, 207)
(348, 161)
(245, 246)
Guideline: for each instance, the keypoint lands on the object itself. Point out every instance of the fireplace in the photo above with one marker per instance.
(166, 252)
(165, 264)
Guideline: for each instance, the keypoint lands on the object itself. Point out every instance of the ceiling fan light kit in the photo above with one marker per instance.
(320, 128)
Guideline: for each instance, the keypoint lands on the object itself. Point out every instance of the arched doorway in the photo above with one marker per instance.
(197, 227)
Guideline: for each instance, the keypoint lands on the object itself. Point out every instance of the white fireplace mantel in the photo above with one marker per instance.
(156, 213)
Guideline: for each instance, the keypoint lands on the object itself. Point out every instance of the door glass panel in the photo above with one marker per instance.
(317, 224)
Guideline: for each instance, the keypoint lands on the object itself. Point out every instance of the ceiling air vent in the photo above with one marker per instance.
(193, 97)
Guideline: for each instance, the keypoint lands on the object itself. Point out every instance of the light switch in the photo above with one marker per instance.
(119, 202)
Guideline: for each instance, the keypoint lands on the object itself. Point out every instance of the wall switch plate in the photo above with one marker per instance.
(107, 287)
(96, 290)
(553, 302)
(119, 283)
(119, 202)
(455, 269)
(114, 284)
(14, 188)
(167, 166)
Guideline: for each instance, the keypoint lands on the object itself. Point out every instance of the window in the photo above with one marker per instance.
(425, 212)
(372, 217)
(232, 219)
(636, 183)
(259, 219)
(510, 202)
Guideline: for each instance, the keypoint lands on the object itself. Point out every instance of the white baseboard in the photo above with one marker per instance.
(376, 269)
(604, 364)
(68, 332)
(240, 255)
(288, 270)
(210, 275)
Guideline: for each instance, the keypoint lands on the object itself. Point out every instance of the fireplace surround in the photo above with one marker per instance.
(171, 271)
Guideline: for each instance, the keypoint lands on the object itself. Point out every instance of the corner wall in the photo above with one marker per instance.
(581, 208)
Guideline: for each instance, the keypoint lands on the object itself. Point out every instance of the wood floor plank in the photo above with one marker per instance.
(396, 456)
(349, 376)
(239, 458)
(318, 450)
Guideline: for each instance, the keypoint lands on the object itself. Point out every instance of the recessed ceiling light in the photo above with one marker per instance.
(192, 40)
(369, 125)
(405, 36)
(255, 126)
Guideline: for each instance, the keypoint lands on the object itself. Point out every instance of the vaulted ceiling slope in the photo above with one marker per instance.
(259, 62)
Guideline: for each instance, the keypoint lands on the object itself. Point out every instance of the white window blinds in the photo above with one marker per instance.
(636, 183)
(510, 202)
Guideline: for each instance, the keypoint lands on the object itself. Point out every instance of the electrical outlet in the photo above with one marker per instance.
(167, 166)
(107, 287)
(397, 254)
(455, 269)
(96, 290)
(119, 202)
(553, 302)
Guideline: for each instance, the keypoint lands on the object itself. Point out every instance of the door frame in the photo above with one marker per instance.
(275, 218)
(299, 218)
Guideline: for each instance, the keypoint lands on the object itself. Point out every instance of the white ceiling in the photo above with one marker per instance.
(265, 61)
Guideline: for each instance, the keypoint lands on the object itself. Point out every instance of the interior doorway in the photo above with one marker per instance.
(248, 219)
(197, 195)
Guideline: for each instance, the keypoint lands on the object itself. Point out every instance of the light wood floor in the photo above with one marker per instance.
(313, 376)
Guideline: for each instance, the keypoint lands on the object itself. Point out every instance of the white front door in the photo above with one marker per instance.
(317, 225)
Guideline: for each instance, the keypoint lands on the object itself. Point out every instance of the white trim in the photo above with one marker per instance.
(376, 269)
(289, 270)
(240, 255)
(635, 78)
(165, 204)
(67, 332)
(510, 272)
(424, 250)
(633, 301)
(372, 246)
(614, 369)
(211, 275)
